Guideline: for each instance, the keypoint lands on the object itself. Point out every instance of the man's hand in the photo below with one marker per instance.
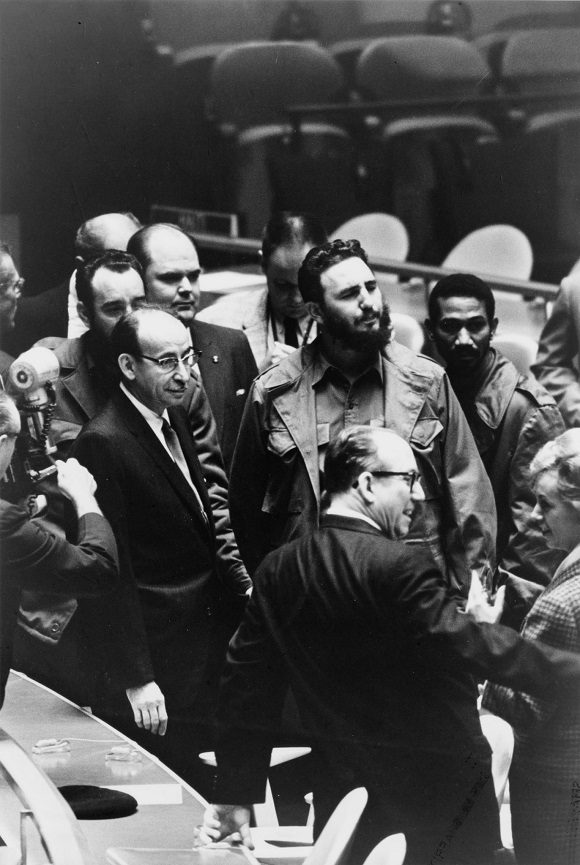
(279, 351)
(148, 704)
(477, 604)
(225, 823)
(79, 485)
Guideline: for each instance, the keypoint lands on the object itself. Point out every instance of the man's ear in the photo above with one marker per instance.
(83, 314)
(315, 312)
(429, 329)
(494, 325)
(127, 365)
(364, 484)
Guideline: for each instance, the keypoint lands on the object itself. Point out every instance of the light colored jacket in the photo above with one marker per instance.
(275, 482)
(556, 365)
(247, 311)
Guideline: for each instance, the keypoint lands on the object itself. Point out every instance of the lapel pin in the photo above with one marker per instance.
(214, 358)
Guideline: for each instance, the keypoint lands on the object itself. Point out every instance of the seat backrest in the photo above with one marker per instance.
(519, 348)
(542, 61)
(390, 851)
(414, 67)
(407, 331)
(380, 234)
(333, 843)
(252, 84)
(500, 736)
(496, 250)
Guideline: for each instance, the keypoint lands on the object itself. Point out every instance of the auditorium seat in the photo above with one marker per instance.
(517, 347)
(421, 167)
(380, 234)
(390, 851)
(496, 250)
(333, 843)
(265, 165)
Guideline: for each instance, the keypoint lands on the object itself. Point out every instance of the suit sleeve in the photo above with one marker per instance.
(35, 559)
(252, 693)
(125, 636)
(556, 361)
(248, 481)
(470, 519)
(443, 635)
(203, 428)
(550, 622)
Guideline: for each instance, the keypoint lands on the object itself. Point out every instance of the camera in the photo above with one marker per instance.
(31, 380)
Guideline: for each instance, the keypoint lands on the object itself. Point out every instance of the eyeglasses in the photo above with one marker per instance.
(170, 364)
(411, 477)
(15, 286)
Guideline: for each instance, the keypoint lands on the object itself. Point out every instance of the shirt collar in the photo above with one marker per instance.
(321, 366)
(153, 419)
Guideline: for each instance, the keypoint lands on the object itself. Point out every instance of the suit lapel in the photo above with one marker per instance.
(181, 426)
(212, 371)
(139, 428)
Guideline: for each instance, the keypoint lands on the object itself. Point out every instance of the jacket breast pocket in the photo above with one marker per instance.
(283, 494)
(425, 441)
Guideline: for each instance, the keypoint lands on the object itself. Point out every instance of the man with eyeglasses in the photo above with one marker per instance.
(354, 373)
(226, 366)
(10, 290)
(49, 645)
(510, 415)
(162, 643)
(363, 628)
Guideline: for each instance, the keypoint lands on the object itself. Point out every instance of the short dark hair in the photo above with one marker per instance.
(112, 259)
(5, 249)
(139, 243)
(353, 451)
(461, 285)
(285, 228)
(7, 409)
(319, 259)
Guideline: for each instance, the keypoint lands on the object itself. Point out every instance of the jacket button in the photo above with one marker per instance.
(208, 611)
(55, 628)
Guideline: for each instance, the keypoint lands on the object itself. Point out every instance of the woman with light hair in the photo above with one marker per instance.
(545, 772)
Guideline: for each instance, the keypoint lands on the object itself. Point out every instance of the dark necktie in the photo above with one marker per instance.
(177, 453)
(291, 332)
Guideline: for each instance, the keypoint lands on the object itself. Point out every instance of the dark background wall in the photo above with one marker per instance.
(88, 122)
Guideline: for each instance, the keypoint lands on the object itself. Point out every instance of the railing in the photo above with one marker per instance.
(44, 807)
(248, 246)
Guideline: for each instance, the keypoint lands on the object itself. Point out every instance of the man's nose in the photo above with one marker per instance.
(463, 337)
(183, 370)
(418, 493)
(536, 516)
(185, 286)
(365, 301)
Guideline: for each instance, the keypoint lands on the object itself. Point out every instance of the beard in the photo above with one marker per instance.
(367, 342)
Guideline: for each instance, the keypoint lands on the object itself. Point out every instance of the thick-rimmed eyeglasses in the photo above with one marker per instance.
(411, 477)
(15, 286)
(170, 364)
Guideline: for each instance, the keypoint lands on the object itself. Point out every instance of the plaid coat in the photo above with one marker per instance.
(545, 773)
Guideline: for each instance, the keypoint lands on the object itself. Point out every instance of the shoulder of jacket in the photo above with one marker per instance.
(408, 360)
(289, 370)
(534, 391)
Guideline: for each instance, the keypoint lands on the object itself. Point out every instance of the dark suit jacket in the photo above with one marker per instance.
(379, 659)
(81, 393)
(32, 558)
(161, 626)
(227, 369)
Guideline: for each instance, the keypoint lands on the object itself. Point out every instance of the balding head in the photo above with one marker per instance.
(170, 267)
(372, 471)
(107, 231)
(143, 342)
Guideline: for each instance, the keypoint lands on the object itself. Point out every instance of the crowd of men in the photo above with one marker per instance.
(323, 517)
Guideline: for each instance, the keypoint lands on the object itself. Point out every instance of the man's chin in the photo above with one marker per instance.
(185, 316)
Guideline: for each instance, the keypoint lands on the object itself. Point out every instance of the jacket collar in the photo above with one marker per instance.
(290, 387)
(338, 521)
(496, 391)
